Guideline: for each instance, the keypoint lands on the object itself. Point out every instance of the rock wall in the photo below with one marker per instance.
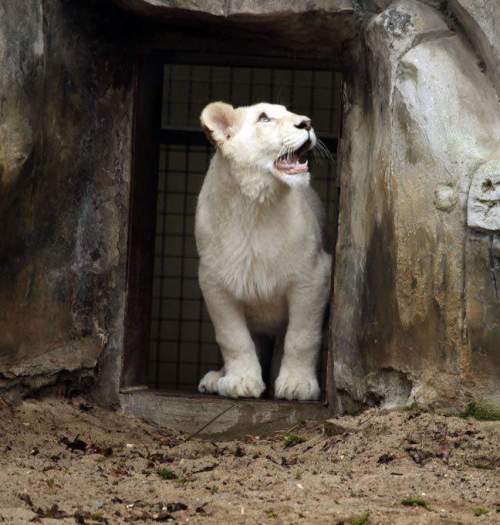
(480, 20)
(65, 120)
(416, 309)
(420, 153)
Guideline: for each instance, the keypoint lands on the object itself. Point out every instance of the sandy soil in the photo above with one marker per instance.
(66, 461)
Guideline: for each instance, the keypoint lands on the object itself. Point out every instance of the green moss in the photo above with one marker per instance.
(415, 501)
(413, 407)
(271, 514)
(361, 519)
(182, 479)
(481, 411)
(480, 511)
(290, 440)
(166, 473)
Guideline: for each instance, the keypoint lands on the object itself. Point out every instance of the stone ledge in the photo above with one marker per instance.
(316, 27)
(218, 417)
(230, 8)
(283, 7)
(169, 7)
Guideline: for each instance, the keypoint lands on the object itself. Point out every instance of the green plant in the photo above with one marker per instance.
(98, 516)
(166, 473)
(480, 511)
(415, 501)
(290, 440)
(361, 519)
(481, 412)
(182, 479)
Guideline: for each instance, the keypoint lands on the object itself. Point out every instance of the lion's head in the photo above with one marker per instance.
(263, 138)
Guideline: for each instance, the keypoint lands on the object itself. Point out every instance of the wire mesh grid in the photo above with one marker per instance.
(182, 342)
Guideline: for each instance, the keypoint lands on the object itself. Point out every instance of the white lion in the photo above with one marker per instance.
(263, 269)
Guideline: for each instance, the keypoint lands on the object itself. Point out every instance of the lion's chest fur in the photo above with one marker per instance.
(248, 250)
(255, 248)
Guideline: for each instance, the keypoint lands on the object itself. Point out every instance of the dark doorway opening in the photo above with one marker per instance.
(170, 342)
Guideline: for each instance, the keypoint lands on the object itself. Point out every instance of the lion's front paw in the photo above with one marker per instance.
(209, 382)
(293, 385)
(236, 385)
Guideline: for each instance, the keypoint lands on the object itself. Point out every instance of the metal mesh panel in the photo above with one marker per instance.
(182, 343)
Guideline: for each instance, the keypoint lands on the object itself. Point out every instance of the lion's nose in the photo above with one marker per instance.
(305, 124)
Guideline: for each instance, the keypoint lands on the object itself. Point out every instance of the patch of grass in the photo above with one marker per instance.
(415, 501)
(271, 514)
(182, 479)
(166, 473)
(481, 412)
(361, 519)
(98, 516)
(214, 489)
(480, 511)
(290, 440)
(411, 407)
(50, 483)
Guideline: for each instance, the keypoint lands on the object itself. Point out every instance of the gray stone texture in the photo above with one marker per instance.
(481, 21)
(65, 118)
(227, 8)
(483, 207)
(426, 296)
(170, 8)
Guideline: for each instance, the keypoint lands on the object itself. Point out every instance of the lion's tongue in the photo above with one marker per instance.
(292, 164)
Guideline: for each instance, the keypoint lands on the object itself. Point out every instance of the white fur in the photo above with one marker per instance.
(262, 264)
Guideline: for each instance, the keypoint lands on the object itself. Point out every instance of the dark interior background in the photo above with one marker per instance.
(182, 346)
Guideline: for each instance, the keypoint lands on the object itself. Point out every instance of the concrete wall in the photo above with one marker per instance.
(65, 125)
(416, 306)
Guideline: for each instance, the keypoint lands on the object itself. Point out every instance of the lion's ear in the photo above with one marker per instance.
(217, 121)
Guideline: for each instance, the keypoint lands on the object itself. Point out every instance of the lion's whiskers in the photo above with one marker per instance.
(322, 151)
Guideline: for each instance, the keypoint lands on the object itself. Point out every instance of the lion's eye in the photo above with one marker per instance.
(263, 118)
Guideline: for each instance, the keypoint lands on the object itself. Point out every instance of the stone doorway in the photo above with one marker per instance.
(169, 340)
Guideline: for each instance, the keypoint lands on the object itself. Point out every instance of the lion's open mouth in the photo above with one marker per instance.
(293, 163)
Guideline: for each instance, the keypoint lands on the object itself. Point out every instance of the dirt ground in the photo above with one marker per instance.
(67, 461)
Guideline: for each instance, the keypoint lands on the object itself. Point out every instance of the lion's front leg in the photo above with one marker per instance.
(297, 378)
(242, 374)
